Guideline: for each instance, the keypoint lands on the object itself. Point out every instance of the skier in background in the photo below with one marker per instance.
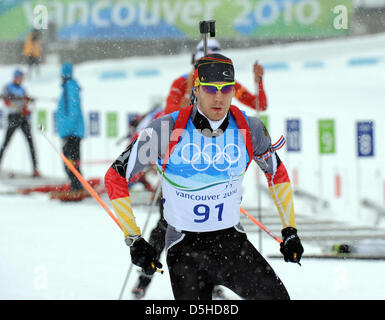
(181, 94)
(140, 121)
(17, 105)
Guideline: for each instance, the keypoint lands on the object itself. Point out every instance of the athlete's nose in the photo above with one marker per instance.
(219, 95)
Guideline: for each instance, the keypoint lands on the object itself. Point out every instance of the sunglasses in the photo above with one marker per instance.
(212, 88)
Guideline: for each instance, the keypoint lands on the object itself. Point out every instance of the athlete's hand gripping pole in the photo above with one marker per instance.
(86, 184)
(291, 246)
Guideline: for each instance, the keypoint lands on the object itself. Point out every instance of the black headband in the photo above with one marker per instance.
(215, 68)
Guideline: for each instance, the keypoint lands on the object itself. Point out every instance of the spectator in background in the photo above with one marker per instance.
(70, 125)
(17, 104)
(32, 51)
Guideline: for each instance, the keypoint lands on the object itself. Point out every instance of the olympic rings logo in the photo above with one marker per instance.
(203, 157)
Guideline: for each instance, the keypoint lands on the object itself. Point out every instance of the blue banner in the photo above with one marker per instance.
(94, 123)
(293, 135)
(365, 144)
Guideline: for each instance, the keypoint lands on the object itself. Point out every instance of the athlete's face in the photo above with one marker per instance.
(18, 80)
(214, 105)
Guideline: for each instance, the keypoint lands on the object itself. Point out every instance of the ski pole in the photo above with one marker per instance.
(81, 179)
(260, 225)
(87, 185)
(96, 162)
(258, 173)
(279, 240)
(157, 192)
(156, 196)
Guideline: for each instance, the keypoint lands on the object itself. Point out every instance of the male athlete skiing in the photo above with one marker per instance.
(181, 94)
(202, 153)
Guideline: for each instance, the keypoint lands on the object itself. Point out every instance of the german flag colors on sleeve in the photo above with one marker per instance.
(282, 193)
(117, 190)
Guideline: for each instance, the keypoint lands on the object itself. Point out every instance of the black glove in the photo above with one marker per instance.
(291, 246)
(145, 256)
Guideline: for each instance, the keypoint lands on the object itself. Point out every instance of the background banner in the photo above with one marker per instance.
(365, 144)
(94, 123)
(174, 19)
(293, 135)
(326, 136)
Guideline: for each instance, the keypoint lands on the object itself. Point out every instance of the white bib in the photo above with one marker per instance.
(202, 183)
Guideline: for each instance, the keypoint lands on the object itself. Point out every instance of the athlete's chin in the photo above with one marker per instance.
(217, 113)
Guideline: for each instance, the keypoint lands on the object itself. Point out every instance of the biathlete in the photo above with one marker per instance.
(202, 153)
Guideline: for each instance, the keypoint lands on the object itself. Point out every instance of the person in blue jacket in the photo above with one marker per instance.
(70, 126)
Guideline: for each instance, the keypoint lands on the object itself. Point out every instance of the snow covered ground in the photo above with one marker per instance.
(51, 250)
(60, 251)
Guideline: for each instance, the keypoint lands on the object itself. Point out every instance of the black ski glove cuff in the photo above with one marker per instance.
(291, 246)
(144, 255)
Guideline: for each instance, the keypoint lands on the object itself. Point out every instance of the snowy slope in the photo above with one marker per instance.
(51, 250)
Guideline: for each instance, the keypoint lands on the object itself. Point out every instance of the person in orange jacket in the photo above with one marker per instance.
(180, 94)
(32, 50)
